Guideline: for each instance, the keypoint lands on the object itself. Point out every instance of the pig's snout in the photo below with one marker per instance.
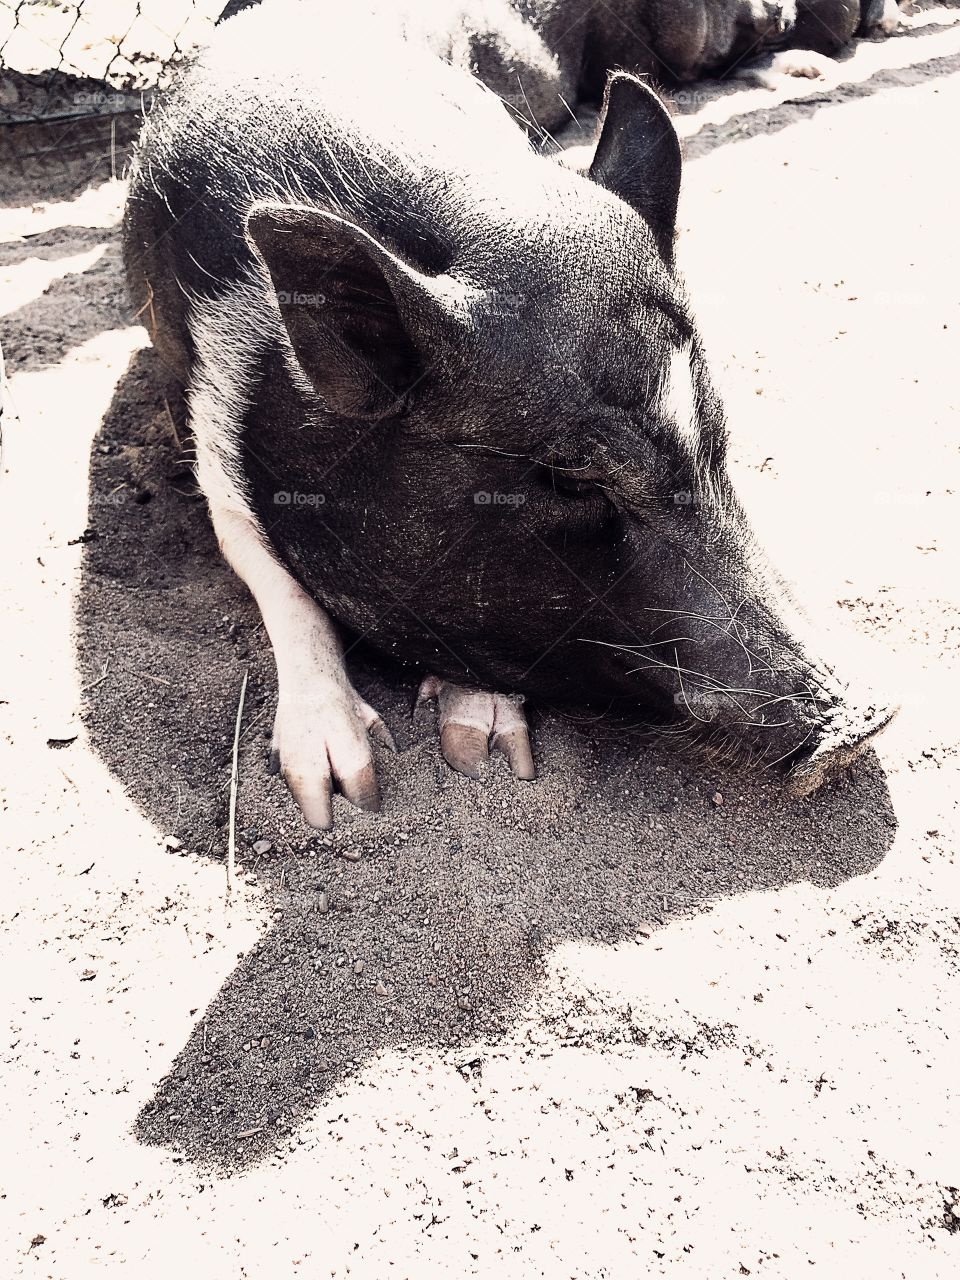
(759, 691)
(845, 734)
(810, 739)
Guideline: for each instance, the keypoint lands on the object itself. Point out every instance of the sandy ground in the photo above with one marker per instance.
(597, 1026)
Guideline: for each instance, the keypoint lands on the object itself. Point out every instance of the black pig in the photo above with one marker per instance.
(451, 395)
(543, 58)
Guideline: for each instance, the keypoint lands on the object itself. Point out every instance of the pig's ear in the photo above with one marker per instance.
(354, 312)
(638, 156)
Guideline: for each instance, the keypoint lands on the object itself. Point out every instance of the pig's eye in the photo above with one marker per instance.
(575, 481)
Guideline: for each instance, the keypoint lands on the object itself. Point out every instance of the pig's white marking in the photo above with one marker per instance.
(321, 725)
(678, 398)
(228, 341)
(321, 722)
(891, 19)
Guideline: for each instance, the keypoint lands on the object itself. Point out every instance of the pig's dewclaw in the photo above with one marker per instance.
(472, 723)
(322, 742)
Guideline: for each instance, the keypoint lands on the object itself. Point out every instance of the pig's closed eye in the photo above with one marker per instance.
(577, 482)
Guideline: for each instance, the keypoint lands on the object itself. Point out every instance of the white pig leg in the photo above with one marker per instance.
(892, 19)
(472, 722)
(321, 727)
(320, 732)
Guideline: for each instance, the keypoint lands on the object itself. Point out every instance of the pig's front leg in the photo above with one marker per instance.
(320, 735)
(472, 722)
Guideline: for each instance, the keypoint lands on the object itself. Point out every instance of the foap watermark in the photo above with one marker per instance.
(115, 498)
(704, 700)
(692, 98)
(893, 498)
(293, 498)
(499, 303)
(483, 498)
(107, 101)
(296, 299)
(897, 299)
(712, 301)
(516, 101)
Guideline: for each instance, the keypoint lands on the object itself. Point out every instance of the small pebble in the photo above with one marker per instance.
(262, 846)
(358, 967)
(352, 855)
(172, 843)
(382, 989)
(323, 903)
(717, 799)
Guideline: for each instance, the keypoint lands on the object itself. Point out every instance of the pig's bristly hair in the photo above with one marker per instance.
(722, 738)
(363, 163)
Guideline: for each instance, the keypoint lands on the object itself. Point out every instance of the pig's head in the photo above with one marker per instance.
(523, 456)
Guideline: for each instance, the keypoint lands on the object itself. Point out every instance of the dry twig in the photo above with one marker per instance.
(234, 782)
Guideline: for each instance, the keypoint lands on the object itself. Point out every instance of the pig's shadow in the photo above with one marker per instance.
(437, 933)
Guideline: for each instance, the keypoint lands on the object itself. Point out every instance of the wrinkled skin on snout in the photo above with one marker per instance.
(526, 487)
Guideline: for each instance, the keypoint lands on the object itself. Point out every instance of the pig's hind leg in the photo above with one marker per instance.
(471, 722)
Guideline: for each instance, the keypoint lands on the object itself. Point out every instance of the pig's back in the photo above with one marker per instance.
(370, 126)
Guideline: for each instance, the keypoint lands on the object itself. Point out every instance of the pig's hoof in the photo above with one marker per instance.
(804, 64)
(322, 743)
(473, 723)
(799, 63)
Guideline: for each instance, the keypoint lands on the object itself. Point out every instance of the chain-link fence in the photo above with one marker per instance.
(68, 59)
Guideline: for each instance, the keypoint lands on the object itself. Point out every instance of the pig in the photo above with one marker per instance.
(677, 41)
(820, 29)
(449, 397)
(544, 58)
